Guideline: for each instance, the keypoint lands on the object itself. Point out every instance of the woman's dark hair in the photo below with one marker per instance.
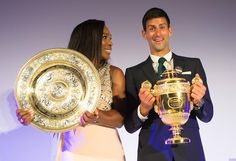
(154, 13)
(86, 38)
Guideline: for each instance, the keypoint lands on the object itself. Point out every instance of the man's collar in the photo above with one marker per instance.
(155, 58)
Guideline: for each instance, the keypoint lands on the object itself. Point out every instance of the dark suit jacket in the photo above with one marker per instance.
(153, 132)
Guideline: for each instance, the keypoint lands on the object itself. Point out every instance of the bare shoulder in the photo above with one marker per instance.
(116, 72)
(118, 81)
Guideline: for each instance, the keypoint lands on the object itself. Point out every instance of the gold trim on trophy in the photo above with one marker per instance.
(173, 103)
(58, 85)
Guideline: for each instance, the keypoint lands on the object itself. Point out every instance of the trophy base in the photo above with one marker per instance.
(177, 140)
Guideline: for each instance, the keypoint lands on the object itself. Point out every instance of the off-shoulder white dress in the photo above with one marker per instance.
(93, 142)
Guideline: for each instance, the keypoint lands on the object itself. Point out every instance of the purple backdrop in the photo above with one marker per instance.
(204, 29)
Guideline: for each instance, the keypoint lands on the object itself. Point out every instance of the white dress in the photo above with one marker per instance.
(93, 142)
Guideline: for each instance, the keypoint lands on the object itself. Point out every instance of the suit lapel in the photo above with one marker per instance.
(149, 71)
(178, 62)
(151, 75)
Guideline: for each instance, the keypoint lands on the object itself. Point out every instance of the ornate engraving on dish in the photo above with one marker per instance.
(59, 85)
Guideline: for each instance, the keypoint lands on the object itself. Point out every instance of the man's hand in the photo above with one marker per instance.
(147, 100)
(198, 91)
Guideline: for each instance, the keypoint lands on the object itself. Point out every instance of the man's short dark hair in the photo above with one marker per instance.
(154, 13)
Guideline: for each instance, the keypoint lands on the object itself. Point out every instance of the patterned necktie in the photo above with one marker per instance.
(161, 68)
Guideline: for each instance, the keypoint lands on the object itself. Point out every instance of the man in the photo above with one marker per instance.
(157, 31)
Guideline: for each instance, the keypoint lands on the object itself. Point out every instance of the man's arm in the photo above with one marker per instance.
(132, 121)
(205, 111)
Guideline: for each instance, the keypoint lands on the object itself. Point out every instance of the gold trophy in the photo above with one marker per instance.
(173, 103)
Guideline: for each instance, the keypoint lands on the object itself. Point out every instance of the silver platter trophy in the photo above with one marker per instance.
(173, 103)
(58, 84)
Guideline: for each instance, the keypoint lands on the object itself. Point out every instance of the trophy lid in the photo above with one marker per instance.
(170, 76)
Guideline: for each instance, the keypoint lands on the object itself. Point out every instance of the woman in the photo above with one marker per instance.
(96, 139)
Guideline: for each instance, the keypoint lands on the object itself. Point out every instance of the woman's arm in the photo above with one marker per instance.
(114, 118)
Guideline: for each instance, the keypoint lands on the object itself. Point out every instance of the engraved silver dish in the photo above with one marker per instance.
(58, 84)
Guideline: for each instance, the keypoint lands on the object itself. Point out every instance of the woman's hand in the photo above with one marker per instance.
(89, 118)
(25, 116)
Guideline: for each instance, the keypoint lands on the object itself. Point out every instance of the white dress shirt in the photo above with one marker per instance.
(168, 64)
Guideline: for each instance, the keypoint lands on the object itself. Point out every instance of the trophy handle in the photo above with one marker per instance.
(196, 79)
(146, 84)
